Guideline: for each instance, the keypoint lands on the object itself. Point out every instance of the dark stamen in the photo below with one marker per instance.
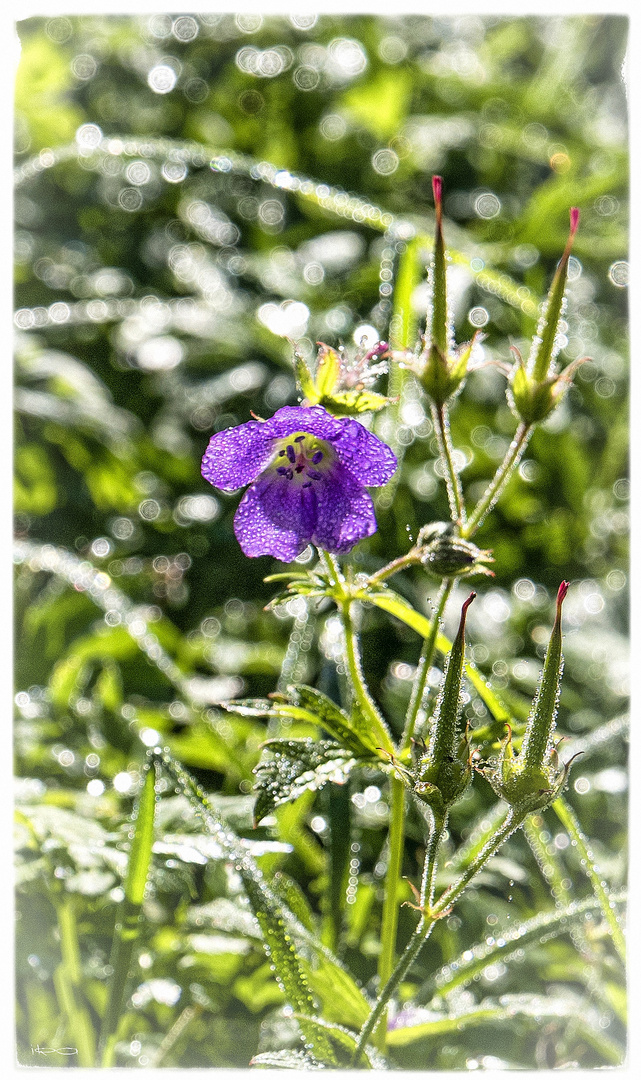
(283, 470)
(281, 453)
(307, 483)
(314, 475)
(299, 468)
(290, 475)
(318, 456)
(299, 438)
(291, 454)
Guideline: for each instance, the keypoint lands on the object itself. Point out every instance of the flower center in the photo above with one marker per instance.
(302, 458)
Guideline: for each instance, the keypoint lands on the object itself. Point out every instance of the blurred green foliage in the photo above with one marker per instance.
(155, 298)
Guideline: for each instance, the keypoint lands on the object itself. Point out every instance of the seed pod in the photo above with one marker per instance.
(543, 352)
(444, 772)
(542, 718)
(443, 367)
(535, 389)
(533, 778)
(444, 554)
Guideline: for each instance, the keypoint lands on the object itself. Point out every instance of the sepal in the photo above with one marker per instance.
(533, 778)
(444, 772)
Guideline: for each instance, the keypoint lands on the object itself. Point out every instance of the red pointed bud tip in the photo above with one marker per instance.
(575, 214)
(466, 605)
(560, 597)
(437, 188)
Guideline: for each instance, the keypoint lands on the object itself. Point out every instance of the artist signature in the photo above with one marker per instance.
(67, 1051)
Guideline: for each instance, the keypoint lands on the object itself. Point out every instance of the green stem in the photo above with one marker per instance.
(568, 819)
(389, 921)
(428, 883)
(403, 561)
(397, 816)
(424, 664)
(499, 480)
(428, 919)
(362, 695)
(446, 450)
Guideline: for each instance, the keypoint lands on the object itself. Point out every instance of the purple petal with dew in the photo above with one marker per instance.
(275, 517)
(367, 458)
(237, 455)
(345, 512)
(315, 420)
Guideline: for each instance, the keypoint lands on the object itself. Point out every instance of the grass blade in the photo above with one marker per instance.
(127, 925)
(569, 820)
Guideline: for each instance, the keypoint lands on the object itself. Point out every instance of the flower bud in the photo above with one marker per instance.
(533, 778)
(442, 367)
(535, 389)
(444, 554)
(444, 772)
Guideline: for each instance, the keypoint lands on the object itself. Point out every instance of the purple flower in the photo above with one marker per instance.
(307, 473)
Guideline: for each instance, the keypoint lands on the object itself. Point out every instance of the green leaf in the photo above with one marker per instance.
(286, 1059)
(347, 1040)
(272, 917)
(335, 988)
(126, 930)
(353, 733)
(532, 1006)
(570, 822)
(140, 851)
(295, 766)
(542, 927)
(304, 378)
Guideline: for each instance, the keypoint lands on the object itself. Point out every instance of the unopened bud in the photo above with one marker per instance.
(535, 389)
(533, 778)
(442, 368)
(444, 772)
(445, 554)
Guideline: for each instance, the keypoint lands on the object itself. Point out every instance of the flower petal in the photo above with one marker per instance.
(345, 512)
(237, 455)
(367, 458)
(275, 517)
(315, 420)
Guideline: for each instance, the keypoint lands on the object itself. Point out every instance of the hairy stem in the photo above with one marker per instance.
(428, 883)
(429, 918)
(389, 920)
(440, 417)
(499, 480)
(403, 561)
(397, 816)
(362, 696)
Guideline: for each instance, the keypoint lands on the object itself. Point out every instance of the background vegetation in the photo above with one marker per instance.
(155, 296)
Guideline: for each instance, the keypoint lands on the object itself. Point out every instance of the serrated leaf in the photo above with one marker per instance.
(352, 732)
(295, 766)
